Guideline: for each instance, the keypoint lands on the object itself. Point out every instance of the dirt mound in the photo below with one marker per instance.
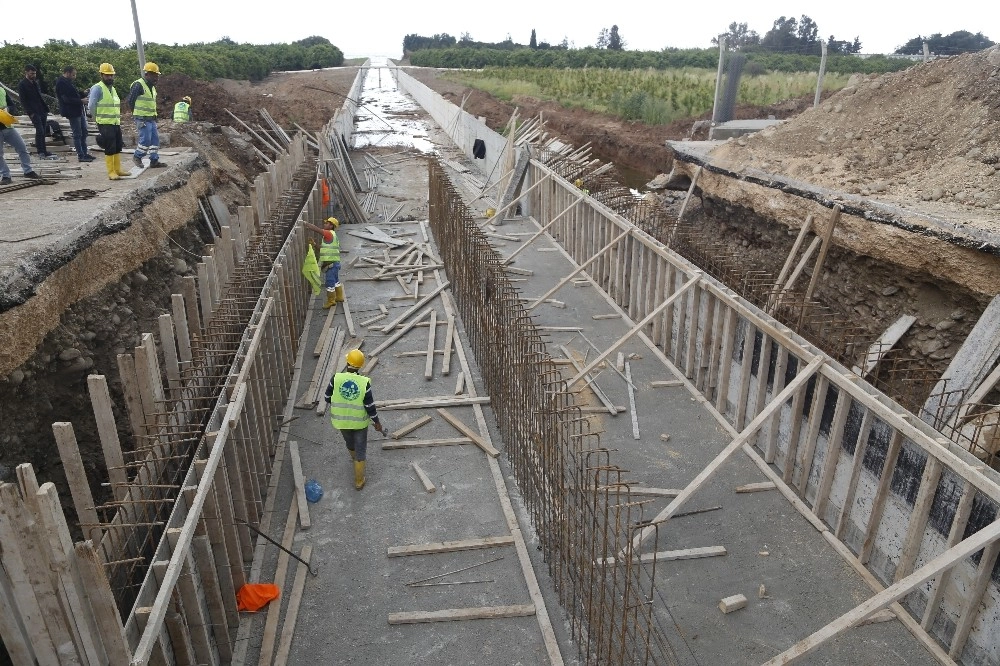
(929, 134)
(308, 99)
(208, 100)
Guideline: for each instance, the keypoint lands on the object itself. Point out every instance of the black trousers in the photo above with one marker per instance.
(110, 139)
(39, 120)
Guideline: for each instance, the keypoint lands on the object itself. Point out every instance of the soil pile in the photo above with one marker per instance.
(926, 138)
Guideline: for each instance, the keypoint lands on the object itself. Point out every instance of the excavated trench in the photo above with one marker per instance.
(81, 304)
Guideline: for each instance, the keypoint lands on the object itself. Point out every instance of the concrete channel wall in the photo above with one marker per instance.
(463, 128)
(909, 492)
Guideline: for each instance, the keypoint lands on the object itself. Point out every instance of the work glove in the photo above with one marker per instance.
(378, 426)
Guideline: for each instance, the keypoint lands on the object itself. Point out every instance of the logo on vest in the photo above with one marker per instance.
(349, 390)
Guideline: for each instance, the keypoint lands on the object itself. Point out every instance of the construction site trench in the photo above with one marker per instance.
(85, 283)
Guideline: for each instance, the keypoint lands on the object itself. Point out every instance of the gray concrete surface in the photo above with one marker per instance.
(735, 128)
(344, 613)
(40, 232)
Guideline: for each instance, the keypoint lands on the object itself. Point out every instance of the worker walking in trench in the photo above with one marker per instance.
(329, 260)
(142, 101)
(352, 408)
(106, 108)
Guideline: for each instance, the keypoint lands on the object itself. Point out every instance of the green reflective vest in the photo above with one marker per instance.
(347, 402)
(109, 107)
(182, 112)
(329, 252)
(3, 99)
(145, 104)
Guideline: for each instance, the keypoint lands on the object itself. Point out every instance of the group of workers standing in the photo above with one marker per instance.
(103, 104)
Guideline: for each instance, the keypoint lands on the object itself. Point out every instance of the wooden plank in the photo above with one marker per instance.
(631, 400)
(449, 343)
(878, 349)
(832, 456)
(955, 534)
(188, 587)
(413, 308)
(300, 485)
(62, 564)
(102, 604)
(731, 448)
(114, 461)
(12, 631)
(432, 331)
(812, 434)
(180, 639)
(856, 467)
(424, 443)
(665, 383)
(424, 479)
(746, 373)
(456, 614)
(635, 329)
(280, 576)
(579, 269)
(468, 432)
(449, 546)
(756, 487)
(601, 395)
(76, 477)
(294, 602)
(918, 517)
(972, 600)
(881, 494)
(30, 583)
(400, 333)
(434, 401)
(895, 592)
(972, 363)
(673, 555)
(733, 603)
(411, 426)
(168, 343)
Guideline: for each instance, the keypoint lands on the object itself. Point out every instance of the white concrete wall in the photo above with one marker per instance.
(461, 126)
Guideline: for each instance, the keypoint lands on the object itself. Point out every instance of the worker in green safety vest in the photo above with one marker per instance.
(182, 111)
(142, 101)
(106, 109)
(352, 408)
(329, 260)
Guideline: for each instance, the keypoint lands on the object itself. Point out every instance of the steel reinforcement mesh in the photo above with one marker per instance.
(157, 464)
(575, 495)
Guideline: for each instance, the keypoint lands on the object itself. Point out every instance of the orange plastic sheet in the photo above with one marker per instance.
(254, 596)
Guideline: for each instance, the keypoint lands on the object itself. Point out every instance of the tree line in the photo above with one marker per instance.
(464, 57)
(224, 58)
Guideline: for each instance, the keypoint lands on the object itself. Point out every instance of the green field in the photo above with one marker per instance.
(655, 97)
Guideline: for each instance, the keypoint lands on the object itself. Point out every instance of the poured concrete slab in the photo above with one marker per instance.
(735, 128)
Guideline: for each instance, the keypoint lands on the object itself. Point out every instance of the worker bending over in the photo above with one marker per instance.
(352, 408)
(329, 260)
(182, 111)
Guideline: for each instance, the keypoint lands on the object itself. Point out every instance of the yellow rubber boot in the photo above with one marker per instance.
(331, 299)
(118, 166)
(359, 474)
(109, 162)
(339, 291)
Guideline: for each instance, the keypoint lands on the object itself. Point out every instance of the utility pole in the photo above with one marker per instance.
(138, 38)
(822, 71)
(718, 79)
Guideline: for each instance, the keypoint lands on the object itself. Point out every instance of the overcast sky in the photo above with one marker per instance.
(644, 25)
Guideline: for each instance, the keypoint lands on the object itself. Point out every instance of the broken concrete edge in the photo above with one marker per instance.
(932, 227)
(19, 284)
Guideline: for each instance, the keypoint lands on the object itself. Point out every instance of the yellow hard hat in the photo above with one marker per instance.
(334, 221)
(187, 99)
(151, 67)
(355, 358)
(6, 118)
(578, 182)
(106, 68)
